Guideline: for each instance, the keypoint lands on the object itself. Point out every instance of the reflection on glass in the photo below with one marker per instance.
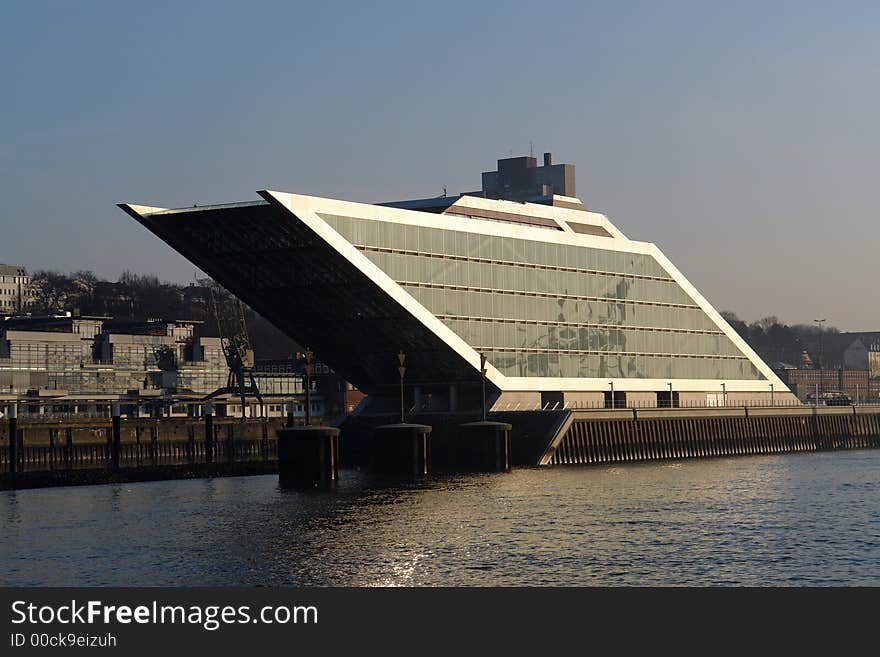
(552, 310)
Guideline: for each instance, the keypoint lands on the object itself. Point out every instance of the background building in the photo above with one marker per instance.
(810, 384)
(864, 353)
(15, 289)
(73, 362)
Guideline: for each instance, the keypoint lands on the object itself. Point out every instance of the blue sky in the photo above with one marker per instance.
(741, 137)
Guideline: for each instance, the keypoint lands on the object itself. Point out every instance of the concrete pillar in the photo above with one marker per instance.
(453, 397)
(484, 446)
(208, 411)
(308, 457)
(402, 449)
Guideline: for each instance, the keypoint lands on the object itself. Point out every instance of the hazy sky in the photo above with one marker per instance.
(743, 138)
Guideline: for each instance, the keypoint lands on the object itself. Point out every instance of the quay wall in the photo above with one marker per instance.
(631, 435)
(83, 451)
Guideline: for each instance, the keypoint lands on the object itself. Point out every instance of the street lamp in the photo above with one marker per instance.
(483, 374)
(401, 370)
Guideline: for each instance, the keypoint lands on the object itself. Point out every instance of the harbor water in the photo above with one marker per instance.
(790, 520)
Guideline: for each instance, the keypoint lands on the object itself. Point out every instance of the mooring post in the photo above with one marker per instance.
(230, 443)
(53, 440)
(209, 432)
(154, 442)
(116, 420)
(191, 443)
(13, 439)
(68, 447)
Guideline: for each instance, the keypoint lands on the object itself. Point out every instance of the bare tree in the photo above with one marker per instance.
(52, 291)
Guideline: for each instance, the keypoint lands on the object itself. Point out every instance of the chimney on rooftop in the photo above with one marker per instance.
(548, 159)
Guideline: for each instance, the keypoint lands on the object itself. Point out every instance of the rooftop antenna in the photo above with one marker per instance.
(531, 149)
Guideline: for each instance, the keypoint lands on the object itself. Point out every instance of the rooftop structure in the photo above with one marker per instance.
(522, 178)
(561, 302)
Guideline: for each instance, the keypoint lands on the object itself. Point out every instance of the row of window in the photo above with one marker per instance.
(538, 336)
(557, 309)
(29, 354)
(383, 234)
(77, 380)
(439, 271)
(562, 364)
(54, 355)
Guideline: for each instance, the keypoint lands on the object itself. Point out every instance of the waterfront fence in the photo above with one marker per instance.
(43, 446)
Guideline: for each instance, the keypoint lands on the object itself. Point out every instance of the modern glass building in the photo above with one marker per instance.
(567, 310)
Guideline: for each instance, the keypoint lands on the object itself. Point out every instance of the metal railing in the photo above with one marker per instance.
(586, 405)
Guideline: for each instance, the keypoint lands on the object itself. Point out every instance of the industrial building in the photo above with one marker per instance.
(79, 363)
(93, 354)
(568, 310)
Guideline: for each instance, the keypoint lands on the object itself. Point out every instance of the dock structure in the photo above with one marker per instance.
(105, 450)
(603, 436)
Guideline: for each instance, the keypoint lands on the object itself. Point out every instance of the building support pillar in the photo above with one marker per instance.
(402, 450)
(308, 457)
(484, 446)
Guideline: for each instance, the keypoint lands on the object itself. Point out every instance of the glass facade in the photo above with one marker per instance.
(552, 310)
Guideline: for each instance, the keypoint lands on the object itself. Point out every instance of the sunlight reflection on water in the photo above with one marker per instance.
(786, 520)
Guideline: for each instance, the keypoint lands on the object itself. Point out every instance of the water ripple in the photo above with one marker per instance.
(810, 519)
